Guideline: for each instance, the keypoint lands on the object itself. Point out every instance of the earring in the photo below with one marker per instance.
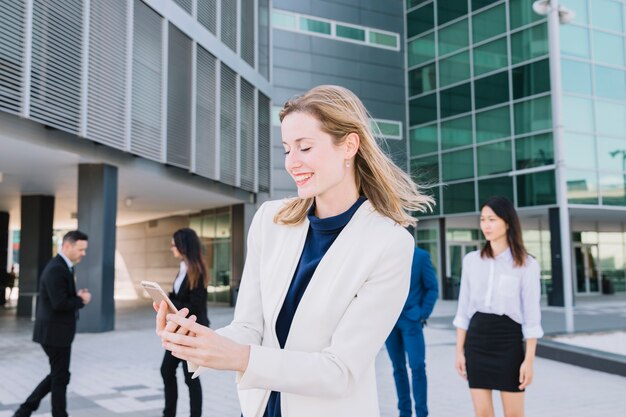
(347, 164)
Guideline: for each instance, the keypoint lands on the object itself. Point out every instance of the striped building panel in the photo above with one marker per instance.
(264, 143)
(207, 14)
(228, 126)
(205, 114)
(11, 56)
(246, 132)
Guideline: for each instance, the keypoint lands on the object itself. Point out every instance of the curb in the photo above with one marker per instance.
(584, 357)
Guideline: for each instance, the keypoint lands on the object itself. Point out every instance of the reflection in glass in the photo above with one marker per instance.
(454, 69)
(610, 82)
(423, 139)
(422, 80)
(490, 56)
(491, 90)
(423, 109)
(582, 187)
(531, 79)
(576, 76)
(450, 10)
(579, 7)
(459, 198)
(495, 186)
(421, 49)
(494, 158)
(612, 154)
(536, 189)
(607, 14)
(493, 124)
(522, 13)
(610, 118)
(608, 48)
(455, 100)
(453, 37)
(489, 23)
(578, 114)
(580, 150)
(612, 189)
(420, 20)
(575, 41)
(585, 257)
(533, 115)
(457, 165)
(529, 43)
(611, 260)
(456, 132)
(534, 151)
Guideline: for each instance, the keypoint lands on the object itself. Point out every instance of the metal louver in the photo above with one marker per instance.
(229, 24)
(264, 144)
(185, 4)
(11, 55)
(247, 32)
(205, 114)
(228, 126)
(246, 132)
(207, 14)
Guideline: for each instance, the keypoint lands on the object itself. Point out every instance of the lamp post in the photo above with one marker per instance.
(556, 15)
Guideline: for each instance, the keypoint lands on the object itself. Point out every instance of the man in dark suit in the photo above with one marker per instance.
(407, 336)
(55, 324)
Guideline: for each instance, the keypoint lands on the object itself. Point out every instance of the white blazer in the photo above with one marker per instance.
(349, 307)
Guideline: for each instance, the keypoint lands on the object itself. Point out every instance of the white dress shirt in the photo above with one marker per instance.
(182, 272)
(497, 286)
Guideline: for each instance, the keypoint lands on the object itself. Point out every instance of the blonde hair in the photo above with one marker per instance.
(390, 190)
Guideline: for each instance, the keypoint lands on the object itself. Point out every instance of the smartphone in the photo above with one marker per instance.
(158, 295)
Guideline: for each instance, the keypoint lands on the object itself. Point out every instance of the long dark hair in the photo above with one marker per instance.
(188, 244)
(503, 208)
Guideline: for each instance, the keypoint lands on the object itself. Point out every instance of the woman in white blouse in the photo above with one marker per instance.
(499, 307)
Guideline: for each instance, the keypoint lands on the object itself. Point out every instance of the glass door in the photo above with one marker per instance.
(456, 252)
(586, 269)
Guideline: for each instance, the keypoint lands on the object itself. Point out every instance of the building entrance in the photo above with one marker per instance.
(586, 269)
(456, 252)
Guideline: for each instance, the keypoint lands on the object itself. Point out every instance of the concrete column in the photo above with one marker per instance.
(97, 213)
(4, 248)
(37, 215)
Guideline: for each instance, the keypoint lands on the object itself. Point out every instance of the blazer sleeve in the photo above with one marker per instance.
(356, 340)
(431, 288)
(196, 300)
(62, 298)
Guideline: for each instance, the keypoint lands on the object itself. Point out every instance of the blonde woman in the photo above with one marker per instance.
(326, 273)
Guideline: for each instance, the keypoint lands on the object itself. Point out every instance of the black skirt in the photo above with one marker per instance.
(494, 352)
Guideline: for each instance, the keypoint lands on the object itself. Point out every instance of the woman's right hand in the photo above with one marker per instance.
(460, 365)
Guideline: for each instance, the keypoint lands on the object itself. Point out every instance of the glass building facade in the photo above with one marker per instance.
(480, 124)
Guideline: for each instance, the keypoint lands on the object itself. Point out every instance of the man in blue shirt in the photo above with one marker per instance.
(407, 336)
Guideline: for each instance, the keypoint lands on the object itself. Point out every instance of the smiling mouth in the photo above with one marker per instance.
(302, 179)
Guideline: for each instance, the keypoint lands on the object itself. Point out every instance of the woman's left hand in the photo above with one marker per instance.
(202, 346)
(525, 374)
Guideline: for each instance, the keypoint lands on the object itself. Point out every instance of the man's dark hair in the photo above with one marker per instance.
(74, 236)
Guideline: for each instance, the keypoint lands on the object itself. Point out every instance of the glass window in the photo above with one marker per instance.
(284, 20)
(533, 115)
(495, 186)
(491, 90)
(350, 32)
(477, 4)
(427, 234)
(494, 158)
(607, 14)
(522, 13)
(612, 188)
(454, 69)
(457, 165)
(455, 100)
(423, 109)
(383, 39)
(425, 171)
(534, 151)
(313, 25)
(579, 150)
(536, 189)
(578, 114)
(575, 41)
(413, 3)
(610, 118)
(489, 23)
(576, 76)
(582, 187)
(611, 154)
(610, 83)
(386, 129)
(423, 140)
(420, 20)
(456, 132)
(421, 49)
(531, 79)
(459, 198)
(608, 48)
(490, 56)
(529, 43)
(453, 37)
(493, 124)
(580, 8)
(450, 10)
(422, 80)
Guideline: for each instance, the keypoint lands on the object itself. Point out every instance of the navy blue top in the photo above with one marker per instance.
(320, 236)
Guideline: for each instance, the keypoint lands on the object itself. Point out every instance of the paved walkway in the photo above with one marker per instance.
(117, 373)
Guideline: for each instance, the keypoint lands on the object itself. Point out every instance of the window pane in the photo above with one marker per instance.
(454, 69)
(522, 13)
(456, 132)
(384, 39)
(534, 151)
(529, 43)
(427, 234)
(420, 20)
(578, 114)
(453, 37)
(457, 165)
(283, 20)
(536, 189)
(413, 3)
(488, 24)
(425, 171)
(491, 90)
(494, 158)
(350, 32)
(459, 198)
(612, 154)
(533, 115)
(582, 187)
(580, 150)
(576, 76)
(423, 140)
(608, 49)
(610, 83)
(607, 14)
(316, 26)
(421, 49)
(531, 79)
(610, 118)
(493, 124)
(387, 129)
(495, 186)
(422, 80)
(490, 57)
(579, 7)
(575, 41)
(423, 109)
(450, 10)
(477, 4)
(612, 189)
(455, 100)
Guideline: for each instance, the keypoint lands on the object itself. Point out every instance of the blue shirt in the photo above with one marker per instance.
(320, 236)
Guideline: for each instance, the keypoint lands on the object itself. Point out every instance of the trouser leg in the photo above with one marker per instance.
(168, 372)
(396, 351)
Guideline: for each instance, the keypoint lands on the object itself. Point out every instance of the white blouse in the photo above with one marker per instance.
(497, 286)
(182, 273)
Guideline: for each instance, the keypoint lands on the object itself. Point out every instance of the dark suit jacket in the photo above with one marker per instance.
(424, 288)
(194, 299)
(57, 305)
